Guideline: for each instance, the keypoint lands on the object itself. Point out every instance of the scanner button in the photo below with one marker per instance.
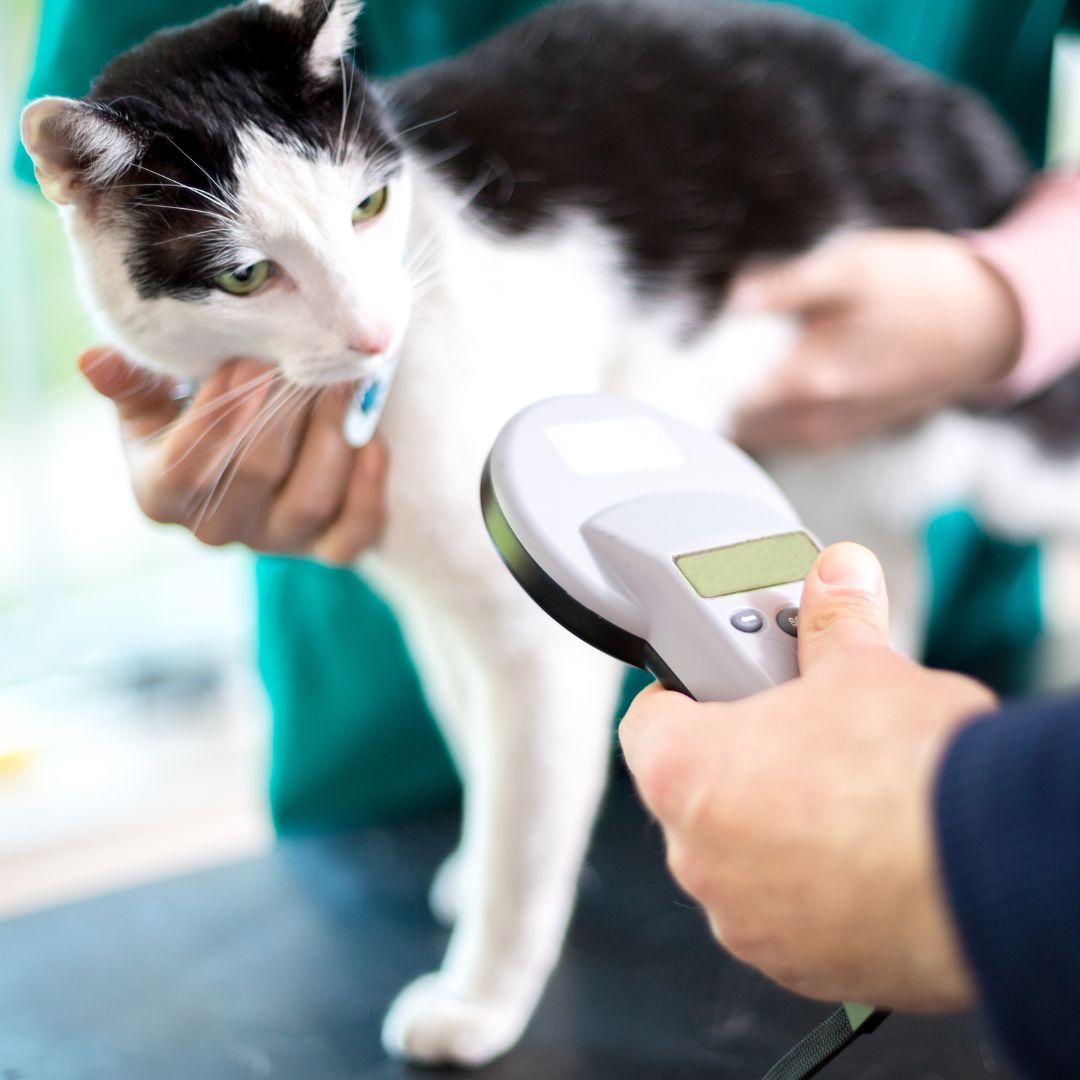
(748, 620)
(788, 620)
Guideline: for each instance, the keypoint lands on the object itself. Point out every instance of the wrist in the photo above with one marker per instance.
(1033, 253)
(1003, 324)
(940, 978)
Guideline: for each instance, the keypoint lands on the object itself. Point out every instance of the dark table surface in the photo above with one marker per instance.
(282, 966)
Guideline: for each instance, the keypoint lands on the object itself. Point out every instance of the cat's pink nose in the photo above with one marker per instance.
(370, 342)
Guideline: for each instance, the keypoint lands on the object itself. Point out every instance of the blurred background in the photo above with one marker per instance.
(132, 727)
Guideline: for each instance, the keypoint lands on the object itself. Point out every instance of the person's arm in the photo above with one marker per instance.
(867, 832)
(801, 818)
(898, 322)
(1008, 826)
(1036, 252)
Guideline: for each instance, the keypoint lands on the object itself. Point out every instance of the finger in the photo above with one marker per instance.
(254, 465)
(806, 285)
(361, 519)
(794, 406)
(784, 426)
(844, 605)
(313, 495)
(196, 448)
(270, 445)
(144, 401)
(663, 736)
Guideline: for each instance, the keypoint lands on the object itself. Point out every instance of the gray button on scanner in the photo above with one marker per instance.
(788, 620)
(748, 620)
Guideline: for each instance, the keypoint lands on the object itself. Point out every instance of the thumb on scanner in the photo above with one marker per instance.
(844, 605)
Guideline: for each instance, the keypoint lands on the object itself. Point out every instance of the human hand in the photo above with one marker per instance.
(246, 461)
(896, 322)
(801, 818)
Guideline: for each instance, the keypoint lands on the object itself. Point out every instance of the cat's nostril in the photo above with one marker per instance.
(370, 342)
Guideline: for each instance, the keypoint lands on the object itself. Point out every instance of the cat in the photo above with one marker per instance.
(560, 209)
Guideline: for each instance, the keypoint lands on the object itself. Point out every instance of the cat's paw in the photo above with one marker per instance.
(444, 896)
(432, 1025)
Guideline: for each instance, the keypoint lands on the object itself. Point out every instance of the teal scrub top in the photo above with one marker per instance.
(353, 740)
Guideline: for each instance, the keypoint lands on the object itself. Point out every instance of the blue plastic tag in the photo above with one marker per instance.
(367, 405)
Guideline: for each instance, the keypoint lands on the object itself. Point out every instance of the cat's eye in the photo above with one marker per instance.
(371, 207)
(244, 280)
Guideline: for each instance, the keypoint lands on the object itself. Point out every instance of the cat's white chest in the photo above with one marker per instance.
(502, 321)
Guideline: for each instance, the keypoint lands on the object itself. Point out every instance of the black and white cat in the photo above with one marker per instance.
(560, 209)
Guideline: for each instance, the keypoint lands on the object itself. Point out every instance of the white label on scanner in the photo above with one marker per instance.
(626, 444)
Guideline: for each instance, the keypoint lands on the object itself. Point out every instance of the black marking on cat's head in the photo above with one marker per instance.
(154, 150)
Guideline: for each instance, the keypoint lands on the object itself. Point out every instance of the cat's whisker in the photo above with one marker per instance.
(170, 182)
(147, 382)
(425, 123)
(189, 210)
(346, 95)
(425, 251)
(294, 398)
(199, 233)
(229, 198)
(451, 152)
(225, 200)
(419, 275)
(233, 398)
(421, 286)
(108, 355)
(363, 101)
(136, 97)
(204, 498)
(425, 268)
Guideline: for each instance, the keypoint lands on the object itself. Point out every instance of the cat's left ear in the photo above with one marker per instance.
(335, 34)
(76, 146)
(328, 25)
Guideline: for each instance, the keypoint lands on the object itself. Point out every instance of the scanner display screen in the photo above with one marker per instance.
(752, 564)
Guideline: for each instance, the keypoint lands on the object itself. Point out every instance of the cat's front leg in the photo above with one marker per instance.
(536, 769)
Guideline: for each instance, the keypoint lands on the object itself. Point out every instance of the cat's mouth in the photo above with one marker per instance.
(331, 371)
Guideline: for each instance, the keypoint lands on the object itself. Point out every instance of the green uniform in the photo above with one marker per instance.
(353, 740)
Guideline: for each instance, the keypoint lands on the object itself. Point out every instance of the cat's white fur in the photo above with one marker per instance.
(495, 324)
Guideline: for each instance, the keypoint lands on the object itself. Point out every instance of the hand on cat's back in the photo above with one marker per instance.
(244, 463)
(896, 324)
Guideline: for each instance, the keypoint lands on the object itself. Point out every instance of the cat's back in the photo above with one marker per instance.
(750, 127)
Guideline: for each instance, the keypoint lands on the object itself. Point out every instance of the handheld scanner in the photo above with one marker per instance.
(655, 542)
(669, 549)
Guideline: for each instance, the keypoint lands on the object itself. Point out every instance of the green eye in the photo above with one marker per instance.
(244, 280)
(371, 207)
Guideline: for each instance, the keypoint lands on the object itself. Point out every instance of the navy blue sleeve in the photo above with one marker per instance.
(1008, 822)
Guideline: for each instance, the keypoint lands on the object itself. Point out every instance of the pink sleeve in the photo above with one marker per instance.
(1036, 250)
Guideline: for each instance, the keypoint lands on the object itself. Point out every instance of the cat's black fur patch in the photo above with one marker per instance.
(705, 134)
(187, 93)
(1051, 416)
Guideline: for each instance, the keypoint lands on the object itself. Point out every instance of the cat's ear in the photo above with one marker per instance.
(329, 24)
(334, 38)
(76, 145)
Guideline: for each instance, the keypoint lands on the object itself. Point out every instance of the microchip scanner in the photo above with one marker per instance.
(668, 548)
(656, 542)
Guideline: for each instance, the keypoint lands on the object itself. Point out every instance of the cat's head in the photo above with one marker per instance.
(233, 188)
